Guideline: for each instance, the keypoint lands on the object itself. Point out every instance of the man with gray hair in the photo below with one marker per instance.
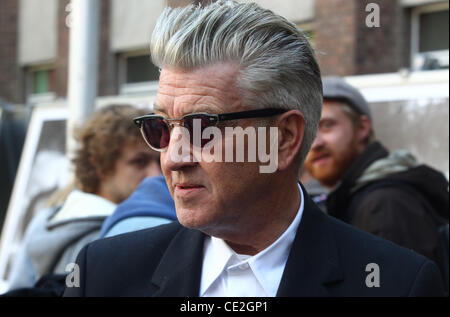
(242, 231)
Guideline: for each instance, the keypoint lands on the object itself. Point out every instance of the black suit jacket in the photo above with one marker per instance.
(327, 258)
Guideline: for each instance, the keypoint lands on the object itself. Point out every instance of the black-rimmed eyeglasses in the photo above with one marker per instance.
(156, 128)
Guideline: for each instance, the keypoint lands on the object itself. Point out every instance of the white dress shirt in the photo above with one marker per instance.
(228, 274)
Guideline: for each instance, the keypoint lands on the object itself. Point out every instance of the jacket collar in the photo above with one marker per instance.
(373, 152)
(339, 198)
(179, 271)
(313, 262)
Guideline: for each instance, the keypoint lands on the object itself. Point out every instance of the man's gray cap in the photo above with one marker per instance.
(336, 88)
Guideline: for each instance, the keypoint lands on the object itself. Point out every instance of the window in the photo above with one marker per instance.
(137, 74)
(429, 37)
(41, 81)
(141, 69)
(40, 84)
(433, 28)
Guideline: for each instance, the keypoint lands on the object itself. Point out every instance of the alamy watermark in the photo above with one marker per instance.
(373, 278)
(226, 147)
(73, 278)
(69, 17)
(373, 18)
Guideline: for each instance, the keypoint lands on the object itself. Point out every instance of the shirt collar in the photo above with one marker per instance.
(267, 266)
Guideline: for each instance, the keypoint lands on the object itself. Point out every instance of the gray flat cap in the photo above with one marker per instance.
(336, 88)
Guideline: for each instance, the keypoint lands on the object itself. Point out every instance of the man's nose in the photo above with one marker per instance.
(178, 154)
(318, 142)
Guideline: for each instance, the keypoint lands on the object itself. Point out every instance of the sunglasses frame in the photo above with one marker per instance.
(213, 119)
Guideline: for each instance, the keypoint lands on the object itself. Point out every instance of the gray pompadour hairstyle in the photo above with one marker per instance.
(277, 64)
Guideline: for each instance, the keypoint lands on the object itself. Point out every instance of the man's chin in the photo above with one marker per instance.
(191, 218)
(326, 179)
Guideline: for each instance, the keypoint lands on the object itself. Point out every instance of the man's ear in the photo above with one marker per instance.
(364, 128)
(291, 129)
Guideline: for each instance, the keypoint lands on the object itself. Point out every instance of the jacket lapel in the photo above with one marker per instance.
(312, 265)
(179, 271)
(313, 262)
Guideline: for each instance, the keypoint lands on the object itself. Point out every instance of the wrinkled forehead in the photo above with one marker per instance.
(207, 89)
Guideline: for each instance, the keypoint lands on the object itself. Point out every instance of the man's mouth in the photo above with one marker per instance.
(187, 186)
(187, 189)
(321, 158)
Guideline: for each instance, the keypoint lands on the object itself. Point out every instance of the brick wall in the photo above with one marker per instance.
(379, 48)
(10, 77)
(346, 46)
(335, 36)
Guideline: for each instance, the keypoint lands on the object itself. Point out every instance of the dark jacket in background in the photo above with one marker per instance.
(395, 212)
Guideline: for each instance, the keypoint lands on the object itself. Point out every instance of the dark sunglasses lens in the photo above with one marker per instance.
(156, 132)
(203, 122)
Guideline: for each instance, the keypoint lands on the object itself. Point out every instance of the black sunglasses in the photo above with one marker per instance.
(156, 129)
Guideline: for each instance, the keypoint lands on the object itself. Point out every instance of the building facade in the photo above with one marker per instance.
(35, 37)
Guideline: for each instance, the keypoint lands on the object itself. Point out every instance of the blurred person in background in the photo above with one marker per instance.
(111, 161)
(150, 205)
(387, 194)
